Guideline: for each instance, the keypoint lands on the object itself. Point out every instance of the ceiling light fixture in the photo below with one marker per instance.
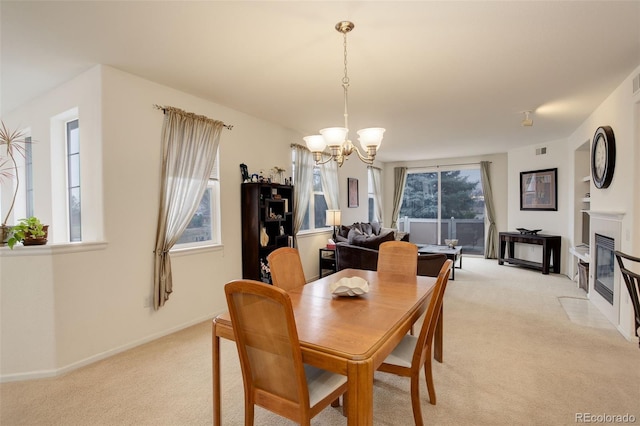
(337, 138)
(526, 121)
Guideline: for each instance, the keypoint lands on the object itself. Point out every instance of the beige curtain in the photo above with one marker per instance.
(400, 178)
(376, 179)
(190, 143)
(491, 241)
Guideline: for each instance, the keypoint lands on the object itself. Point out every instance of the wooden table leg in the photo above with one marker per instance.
(215, 368)
(437, 347)
(360, 393)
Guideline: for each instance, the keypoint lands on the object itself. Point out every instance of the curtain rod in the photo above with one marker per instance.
(164, 110)
(448, 165)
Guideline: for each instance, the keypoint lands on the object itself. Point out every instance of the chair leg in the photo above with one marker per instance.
(345, 403)
(248, 413)
(415, 399)
(429, 378)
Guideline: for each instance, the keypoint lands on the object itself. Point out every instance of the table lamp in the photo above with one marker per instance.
(333, 219)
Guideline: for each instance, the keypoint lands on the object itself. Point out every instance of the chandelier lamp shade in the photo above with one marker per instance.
(337, 138)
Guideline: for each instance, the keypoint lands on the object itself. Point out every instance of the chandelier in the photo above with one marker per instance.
(337, 138)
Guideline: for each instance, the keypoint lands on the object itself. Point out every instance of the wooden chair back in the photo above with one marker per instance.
(399, 257)
(270, 356)
(632, 281)
(286, 268)
(412, 354)
(427, 331)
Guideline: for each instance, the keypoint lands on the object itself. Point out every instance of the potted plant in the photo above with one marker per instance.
(29, 231)
(12, 143)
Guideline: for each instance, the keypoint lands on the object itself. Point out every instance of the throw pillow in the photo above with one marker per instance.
(367, 228)
(353, 234)
(375, 227)
(371, 241)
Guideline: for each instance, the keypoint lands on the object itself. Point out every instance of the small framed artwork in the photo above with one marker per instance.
(352, 185)
(539, 190)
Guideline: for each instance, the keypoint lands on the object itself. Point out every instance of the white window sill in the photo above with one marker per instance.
(52, 248)
(308, 233)
(186, 251)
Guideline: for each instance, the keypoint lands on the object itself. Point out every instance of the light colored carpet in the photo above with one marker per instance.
(512, 355)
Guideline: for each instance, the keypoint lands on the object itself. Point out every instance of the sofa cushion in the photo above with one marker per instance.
(357, 238)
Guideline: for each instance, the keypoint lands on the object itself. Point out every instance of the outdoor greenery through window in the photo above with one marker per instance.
(444, 204)
(204, 227)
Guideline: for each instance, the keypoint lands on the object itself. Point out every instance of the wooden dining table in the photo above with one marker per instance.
(347, 335)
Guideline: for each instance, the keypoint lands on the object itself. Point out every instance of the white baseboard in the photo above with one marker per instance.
(41, 374)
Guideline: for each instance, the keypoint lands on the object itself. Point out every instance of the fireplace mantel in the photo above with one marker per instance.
(605, 215)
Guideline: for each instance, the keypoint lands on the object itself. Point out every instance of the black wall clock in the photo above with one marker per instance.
(603, 157)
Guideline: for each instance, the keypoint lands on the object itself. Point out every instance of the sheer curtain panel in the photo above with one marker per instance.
(329, 174)
(189, 146)
(376, 179)
(303, 181)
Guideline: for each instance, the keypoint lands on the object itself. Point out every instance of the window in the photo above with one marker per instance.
(28, 176)
(445, 204)
(317, 211)
(316, 214)
(73, 180)
(372, 201)
(204, 227)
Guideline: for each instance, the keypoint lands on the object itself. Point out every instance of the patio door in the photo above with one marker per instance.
(444, 203)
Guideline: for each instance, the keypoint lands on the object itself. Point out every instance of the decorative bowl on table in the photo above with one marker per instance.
(349, 286)
(451, 243)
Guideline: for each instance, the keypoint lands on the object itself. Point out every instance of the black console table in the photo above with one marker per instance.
(550, 245)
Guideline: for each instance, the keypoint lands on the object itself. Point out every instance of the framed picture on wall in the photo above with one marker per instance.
(352, 185)
(539, 190)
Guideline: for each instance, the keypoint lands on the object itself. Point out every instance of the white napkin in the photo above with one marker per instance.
(350, 286)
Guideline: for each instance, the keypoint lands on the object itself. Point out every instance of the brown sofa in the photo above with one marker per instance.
(357, 247)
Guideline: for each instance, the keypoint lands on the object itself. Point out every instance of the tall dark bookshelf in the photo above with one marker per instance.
(268, 206)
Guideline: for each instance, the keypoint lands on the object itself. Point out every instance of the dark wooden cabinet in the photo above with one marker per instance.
(266, 208)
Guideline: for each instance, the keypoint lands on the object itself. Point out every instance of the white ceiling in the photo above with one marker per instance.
(445, 78)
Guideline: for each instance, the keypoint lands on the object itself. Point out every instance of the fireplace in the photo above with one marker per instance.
(605, 264)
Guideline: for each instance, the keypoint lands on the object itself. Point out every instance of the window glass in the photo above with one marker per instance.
(73, 180)
(316, 213)
(447, 204)
(28, 174)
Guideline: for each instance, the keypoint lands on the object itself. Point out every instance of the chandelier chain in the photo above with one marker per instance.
(345, 84)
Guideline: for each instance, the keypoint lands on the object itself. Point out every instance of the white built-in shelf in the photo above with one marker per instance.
(586, 200)
(586, 179)
(581, 252)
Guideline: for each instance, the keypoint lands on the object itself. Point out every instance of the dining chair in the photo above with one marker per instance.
(286, 268)
(273, 374)
(632, 280)
(400, 257)
(412, 353)
(429, 264)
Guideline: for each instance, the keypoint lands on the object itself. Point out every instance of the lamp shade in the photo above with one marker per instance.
(334, 136)
(370, 137)
(315, 143)
(333, 218)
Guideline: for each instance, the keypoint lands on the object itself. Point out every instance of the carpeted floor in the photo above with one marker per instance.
(519, 348)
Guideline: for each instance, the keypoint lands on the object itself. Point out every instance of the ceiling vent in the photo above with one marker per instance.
(541, 151)
(636, 84)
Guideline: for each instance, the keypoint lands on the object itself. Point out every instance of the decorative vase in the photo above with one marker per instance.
(264, 237)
